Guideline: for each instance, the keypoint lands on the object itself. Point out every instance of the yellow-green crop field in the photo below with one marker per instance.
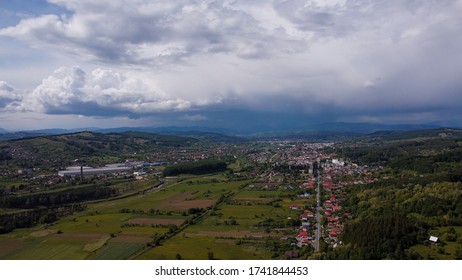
(129, 227)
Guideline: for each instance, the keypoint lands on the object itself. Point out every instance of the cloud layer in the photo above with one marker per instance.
(385, 61)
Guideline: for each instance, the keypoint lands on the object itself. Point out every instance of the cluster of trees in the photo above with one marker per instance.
(195, 211)
(423, 192)
(270, 223)
(4, 155)
(57, 198)
(430, 202)
(425, 157)
(380, 237)
(23, 219)
(392, 217)
(445, 162)
(196, 168)
(279, 247)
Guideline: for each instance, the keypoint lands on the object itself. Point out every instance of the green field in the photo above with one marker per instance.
(249, 193)
(215, 233)
(192, 189)
(94, 233)
(198, 248)
(52, 248)
(147, 230)
(117, 251)
(108, 229)
(98, 223)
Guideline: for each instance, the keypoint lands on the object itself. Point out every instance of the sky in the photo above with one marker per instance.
(235, 64)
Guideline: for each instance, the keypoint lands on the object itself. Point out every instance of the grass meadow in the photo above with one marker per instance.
(105, 229)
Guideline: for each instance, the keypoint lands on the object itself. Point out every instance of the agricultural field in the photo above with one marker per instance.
(124, 228)
(241, 228)
(52, 247)
(121, 228)
(203, 248)
(117, 251)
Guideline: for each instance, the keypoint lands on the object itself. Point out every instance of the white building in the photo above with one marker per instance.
(85, 170)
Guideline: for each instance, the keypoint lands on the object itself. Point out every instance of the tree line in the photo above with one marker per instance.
(58, 198)
(196, 168)
(29, 218)
(380, 237)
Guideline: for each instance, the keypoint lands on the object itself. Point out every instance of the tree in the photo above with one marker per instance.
(458, 255)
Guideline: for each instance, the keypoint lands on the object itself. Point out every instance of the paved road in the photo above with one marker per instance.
(318, 214)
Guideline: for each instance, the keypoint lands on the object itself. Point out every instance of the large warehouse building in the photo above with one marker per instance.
(84, 170)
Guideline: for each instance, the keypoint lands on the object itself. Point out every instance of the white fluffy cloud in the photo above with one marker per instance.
(8, 96)
(101, 92)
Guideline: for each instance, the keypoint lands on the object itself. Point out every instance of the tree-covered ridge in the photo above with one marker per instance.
(437, 203)
(379, 237)
(56, 151)
(196, 168)
(427, 134)
(408, 150)
(159, 139)
(391, 219)
(418, 193)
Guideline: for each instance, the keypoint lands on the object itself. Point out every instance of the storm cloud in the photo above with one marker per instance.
(347, 60)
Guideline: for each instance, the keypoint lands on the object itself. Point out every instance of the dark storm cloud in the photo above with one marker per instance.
(306, 60)
(144, 32)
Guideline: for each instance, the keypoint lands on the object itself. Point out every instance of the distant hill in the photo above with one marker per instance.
(167, 130)
(20, 135)
(160, 139)
(311, 136)
(206, 134)
(365, 128)
(209, 136)
(60, 150)
(436, 152)
(8, 135)
(322, 131)
(413, 134)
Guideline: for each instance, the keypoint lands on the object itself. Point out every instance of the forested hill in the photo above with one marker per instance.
(393, 135)
(418, 194)
(59, 150)
(413, 150)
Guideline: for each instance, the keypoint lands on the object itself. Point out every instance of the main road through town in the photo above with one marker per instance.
(318, 214)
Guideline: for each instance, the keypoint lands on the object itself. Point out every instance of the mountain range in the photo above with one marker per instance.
(332, 129)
